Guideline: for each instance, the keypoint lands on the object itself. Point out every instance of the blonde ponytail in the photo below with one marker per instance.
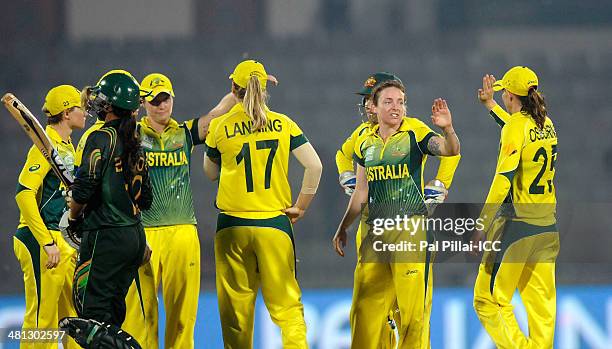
(255, 103)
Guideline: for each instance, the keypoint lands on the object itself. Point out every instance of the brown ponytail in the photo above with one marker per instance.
(534, 105)
(255, 103)
(130, 139)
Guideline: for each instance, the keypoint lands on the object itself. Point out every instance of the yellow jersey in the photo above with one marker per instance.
(253, 182)
(39, 190)
(394, 169)
(525, 172)
(344, 156)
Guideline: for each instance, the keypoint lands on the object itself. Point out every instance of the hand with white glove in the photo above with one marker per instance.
(434, 194)
(70, 230)
(67, 194)
(348, 180)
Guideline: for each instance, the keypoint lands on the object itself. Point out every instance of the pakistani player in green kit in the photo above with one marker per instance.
(111, 187)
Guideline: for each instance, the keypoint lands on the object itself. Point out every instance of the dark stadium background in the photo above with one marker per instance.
(321, 52)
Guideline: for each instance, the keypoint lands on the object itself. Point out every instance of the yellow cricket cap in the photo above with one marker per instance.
(243, 72)
(517, 80)
(60, 98)
(155, 84)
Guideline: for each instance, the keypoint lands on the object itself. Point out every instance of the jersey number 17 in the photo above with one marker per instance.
(245, 155)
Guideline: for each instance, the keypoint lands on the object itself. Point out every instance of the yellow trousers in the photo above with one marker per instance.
(254, 253)
(48, 292)
(386, 338)
(399, 291)
(526, 262)
(175, 262)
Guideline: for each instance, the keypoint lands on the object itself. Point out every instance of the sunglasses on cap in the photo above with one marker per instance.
(159, 99)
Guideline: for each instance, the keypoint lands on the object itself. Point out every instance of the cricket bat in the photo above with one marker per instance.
(37, 134)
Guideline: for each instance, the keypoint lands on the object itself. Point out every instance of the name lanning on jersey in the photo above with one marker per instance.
(245, 127)
(384, 172)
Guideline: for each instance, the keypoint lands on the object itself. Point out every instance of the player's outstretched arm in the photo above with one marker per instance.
(225, 104)
(353, 210)
(308, 157)
(441, 117)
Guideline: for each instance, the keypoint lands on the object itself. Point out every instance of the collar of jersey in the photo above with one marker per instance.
(171, 124)
(52, 133)
(518, 114)
(239, 107)
(404, 126)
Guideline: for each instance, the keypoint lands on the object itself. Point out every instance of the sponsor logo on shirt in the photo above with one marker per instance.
(146, 142)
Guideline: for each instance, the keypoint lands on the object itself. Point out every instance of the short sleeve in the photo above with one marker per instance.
(423, 134)
(194, 131)
(297, 136)
(211, 140)
(344, 156)
(358, 151)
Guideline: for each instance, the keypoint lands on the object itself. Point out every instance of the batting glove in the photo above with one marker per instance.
(348, 180)
(434, 194)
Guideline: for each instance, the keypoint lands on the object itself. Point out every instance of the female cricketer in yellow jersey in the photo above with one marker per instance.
(346, 168)
(402, 143)
(46, 259)
(529, 240)
(170, 223)
(254, 243)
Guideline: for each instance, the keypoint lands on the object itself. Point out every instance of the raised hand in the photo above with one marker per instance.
(440, 114)
(486, 93)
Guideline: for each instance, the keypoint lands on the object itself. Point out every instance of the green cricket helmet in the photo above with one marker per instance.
(116, 89)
